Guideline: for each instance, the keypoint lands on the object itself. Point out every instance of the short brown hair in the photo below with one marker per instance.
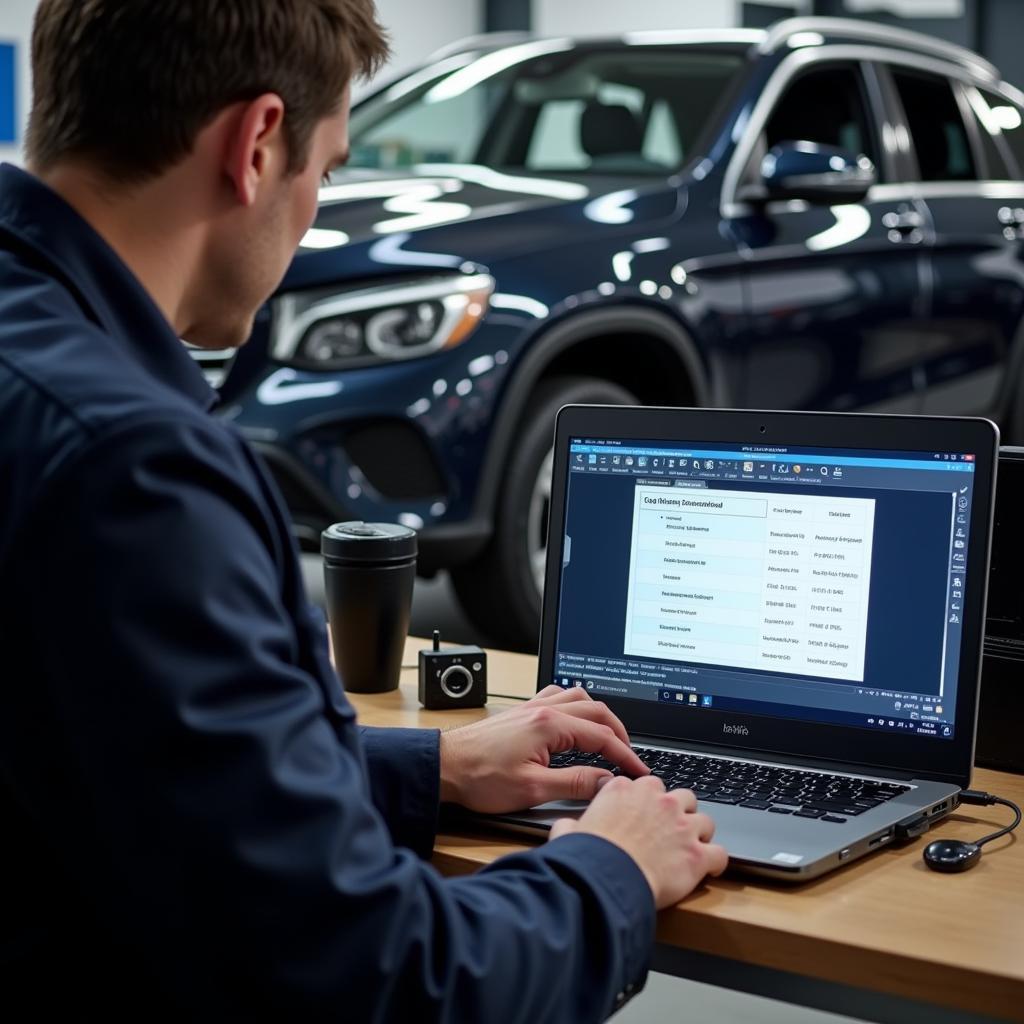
(129, 84)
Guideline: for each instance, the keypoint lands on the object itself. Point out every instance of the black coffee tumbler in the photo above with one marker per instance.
(369, 569)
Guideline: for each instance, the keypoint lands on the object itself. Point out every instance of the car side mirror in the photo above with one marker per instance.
(816, 173)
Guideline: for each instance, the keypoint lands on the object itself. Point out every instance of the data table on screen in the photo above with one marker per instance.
(758, 580)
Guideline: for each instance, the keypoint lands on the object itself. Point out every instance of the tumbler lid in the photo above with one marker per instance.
(368, 542)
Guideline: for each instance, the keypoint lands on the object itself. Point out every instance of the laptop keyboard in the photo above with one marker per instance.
(760, 787)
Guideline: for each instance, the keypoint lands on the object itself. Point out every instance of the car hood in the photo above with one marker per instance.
(444, 215)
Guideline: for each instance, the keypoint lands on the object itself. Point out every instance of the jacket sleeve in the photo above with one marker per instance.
(221, 810)
(404, 774)
(403, 765)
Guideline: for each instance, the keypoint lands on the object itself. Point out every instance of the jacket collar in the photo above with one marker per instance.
(36, 218)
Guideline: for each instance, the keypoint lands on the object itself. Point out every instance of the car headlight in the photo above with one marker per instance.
(341, 330)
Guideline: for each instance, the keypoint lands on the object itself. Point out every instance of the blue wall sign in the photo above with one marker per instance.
(8, 93)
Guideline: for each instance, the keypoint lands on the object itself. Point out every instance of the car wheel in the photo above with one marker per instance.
(500, 591)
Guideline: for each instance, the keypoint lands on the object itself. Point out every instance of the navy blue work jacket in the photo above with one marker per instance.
(193, 824)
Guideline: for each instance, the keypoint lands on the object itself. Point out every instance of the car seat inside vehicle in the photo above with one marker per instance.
(613, 137)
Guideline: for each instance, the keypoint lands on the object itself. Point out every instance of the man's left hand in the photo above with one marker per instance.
(502, 763)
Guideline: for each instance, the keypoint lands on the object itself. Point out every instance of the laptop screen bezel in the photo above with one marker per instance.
(948, 760)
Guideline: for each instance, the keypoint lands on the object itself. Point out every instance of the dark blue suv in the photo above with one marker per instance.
(826, 215)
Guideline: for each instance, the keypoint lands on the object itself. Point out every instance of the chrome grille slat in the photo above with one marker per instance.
(215, 363)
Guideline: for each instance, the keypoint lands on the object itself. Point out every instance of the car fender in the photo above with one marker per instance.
(551, 343)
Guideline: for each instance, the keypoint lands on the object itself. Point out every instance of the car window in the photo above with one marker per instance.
(555, 140)
(1002, 117)
(447, 132)
(611, 110)
(997, 163)
(827, 106)
(936, 126)
(661, 139)
(558, 140)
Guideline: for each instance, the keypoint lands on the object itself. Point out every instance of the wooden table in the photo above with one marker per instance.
(885, 938)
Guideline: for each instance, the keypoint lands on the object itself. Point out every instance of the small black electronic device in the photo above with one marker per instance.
(951, 855)
(455, 677)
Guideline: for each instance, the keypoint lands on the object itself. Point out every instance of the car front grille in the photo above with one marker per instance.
(214, 362)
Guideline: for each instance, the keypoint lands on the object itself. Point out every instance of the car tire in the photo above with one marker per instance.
(500, 591)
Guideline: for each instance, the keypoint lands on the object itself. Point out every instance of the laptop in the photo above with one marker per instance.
(785, 610)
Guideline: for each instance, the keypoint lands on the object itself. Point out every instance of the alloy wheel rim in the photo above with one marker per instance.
(537, 520)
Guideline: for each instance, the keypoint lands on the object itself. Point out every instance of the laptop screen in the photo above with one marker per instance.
(817, 584)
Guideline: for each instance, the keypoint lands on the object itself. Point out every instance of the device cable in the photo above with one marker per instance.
(951, 855)
(975, 796)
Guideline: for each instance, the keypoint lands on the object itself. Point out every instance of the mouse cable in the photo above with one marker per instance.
(976, 796)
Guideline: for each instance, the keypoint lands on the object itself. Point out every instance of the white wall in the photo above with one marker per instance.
(587, 17)
(16, 27)
(417, 28)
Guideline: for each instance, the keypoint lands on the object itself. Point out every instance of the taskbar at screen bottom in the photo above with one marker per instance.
(696, 702)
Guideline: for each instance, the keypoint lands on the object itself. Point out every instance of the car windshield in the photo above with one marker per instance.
(548, 107)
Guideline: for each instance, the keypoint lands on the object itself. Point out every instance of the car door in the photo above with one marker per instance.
(834, 292)
(975, 210)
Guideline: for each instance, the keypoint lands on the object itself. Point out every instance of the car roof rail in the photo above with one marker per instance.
(782, 32)
(693, 35)
(481, 41)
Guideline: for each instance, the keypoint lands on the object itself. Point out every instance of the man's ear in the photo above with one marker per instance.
(256, 149)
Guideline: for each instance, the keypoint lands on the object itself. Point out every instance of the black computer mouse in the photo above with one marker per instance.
(951, 855)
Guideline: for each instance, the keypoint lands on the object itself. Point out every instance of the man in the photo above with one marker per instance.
(195, 827)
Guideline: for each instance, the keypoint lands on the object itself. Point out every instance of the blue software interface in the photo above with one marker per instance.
(803, 583)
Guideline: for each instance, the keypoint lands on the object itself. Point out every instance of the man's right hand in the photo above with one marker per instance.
(662, 831)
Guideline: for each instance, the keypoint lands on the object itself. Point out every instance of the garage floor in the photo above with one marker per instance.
(665, 999)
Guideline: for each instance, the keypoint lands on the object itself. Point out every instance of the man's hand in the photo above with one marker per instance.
(502, 763)
(660, 830)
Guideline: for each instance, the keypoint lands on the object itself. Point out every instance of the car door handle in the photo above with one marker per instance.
(1012, 221)
(905, 220)
(904, 226)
